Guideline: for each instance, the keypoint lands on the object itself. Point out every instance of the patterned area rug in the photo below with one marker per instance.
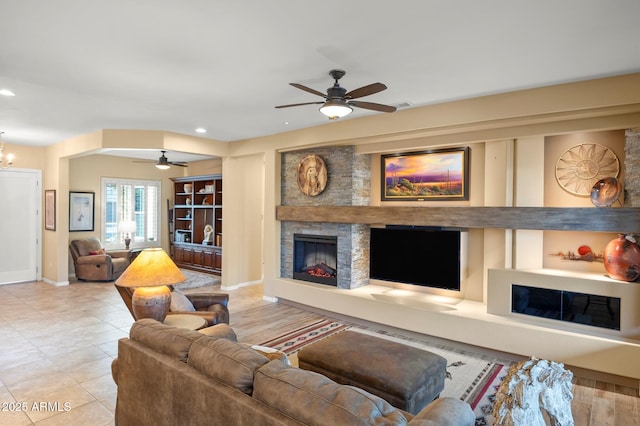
(473, 379)
(197, 279)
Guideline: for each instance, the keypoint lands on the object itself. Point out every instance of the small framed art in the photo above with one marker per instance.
(50, 209)
(81, 209)
(441, 174)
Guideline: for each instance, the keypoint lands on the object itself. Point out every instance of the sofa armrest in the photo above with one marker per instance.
(445, 412)
(202, 301)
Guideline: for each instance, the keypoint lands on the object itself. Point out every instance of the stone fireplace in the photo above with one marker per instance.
(348, 184)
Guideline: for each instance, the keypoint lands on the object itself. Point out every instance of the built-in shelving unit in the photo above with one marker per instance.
(197, 203)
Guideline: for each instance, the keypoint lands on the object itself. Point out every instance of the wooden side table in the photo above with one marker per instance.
(190, 322)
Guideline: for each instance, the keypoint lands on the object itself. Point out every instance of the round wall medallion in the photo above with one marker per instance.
(580, 167)
(312, 175)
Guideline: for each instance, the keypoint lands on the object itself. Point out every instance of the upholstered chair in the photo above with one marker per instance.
(93, 263)
(213, 307)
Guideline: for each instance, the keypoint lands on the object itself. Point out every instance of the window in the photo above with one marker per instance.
(130, 200)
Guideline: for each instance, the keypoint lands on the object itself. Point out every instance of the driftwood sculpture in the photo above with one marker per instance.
(532, 391)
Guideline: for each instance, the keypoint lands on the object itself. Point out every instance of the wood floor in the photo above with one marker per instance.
(596, 402)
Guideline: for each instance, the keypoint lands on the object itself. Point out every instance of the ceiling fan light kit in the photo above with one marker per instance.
(338, 102)
(335, 109)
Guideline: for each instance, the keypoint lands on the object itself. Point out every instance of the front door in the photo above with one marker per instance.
(20, 200)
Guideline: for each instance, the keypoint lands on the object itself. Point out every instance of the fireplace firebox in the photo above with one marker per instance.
(315, 258)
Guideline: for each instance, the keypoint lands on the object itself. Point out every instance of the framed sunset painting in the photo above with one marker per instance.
(441, 174)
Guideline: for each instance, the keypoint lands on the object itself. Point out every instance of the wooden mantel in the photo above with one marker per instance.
(622, 220)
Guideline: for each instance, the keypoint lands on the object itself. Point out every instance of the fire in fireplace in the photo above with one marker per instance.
(315, 258)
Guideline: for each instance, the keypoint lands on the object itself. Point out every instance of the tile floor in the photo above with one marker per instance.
(56, 348)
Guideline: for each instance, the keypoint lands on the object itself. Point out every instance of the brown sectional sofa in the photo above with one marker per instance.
(172, 376)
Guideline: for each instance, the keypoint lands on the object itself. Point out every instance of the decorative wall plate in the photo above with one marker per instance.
(312, 175)
(580, 167)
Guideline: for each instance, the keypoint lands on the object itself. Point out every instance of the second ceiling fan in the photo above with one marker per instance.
(338, 102)
(163, 162)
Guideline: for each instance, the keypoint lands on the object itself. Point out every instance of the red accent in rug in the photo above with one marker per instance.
(292, 341)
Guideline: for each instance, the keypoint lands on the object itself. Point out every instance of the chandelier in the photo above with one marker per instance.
(5, 161)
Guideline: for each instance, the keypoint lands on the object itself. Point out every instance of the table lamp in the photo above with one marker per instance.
(149, 274)
(127, 227)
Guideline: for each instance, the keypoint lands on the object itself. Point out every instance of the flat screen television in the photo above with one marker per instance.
(414, 255)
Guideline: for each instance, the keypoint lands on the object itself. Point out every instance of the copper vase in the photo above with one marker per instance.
(622, 259)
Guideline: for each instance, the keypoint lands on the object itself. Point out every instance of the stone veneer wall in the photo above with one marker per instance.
(632, 168)
(348, 184)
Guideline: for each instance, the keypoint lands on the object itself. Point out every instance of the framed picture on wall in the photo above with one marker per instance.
(441, 174)
(81, 209)
(50, 209)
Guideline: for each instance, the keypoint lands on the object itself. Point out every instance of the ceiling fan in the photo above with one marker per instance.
(163, 163)
(338, 102)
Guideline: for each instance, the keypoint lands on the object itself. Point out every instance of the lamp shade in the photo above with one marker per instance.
(127, 226)
(335, 109)
(152, 267)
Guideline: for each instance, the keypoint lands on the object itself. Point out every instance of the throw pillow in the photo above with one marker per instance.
(94, 253)
(180, 302)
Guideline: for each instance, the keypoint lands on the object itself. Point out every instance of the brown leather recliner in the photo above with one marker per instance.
(213, 307)
(93, 263)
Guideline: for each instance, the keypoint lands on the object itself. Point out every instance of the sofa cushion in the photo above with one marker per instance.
(228, 362)
(446, 412)
(180, 302)
(170, 341)
(221, 331)
(314, 399)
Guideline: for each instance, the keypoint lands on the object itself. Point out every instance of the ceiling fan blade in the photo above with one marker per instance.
(366, 91)
(304, 103)
(144, 161)
(178, 164)
(372, 106)
(308, 89)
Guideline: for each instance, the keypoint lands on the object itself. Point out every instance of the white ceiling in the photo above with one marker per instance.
(77, 66)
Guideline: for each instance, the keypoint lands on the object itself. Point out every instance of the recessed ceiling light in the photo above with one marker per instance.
(201, 130)
(6, 92)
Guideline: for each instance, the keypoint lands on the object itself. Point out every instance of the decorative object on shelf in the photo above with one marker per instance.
(81, 208)
(622, 258)
(584, 253)
(208, 188)
(581, 166)
(188, 215)
(150, 273)
(50, 209)
(208, 235)
(188, 201)
(188, 187)
(312, 175)
(605, 192)
(532, 387)
(5, 162)
(441, 174)
(127, 227)
(205, 202)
